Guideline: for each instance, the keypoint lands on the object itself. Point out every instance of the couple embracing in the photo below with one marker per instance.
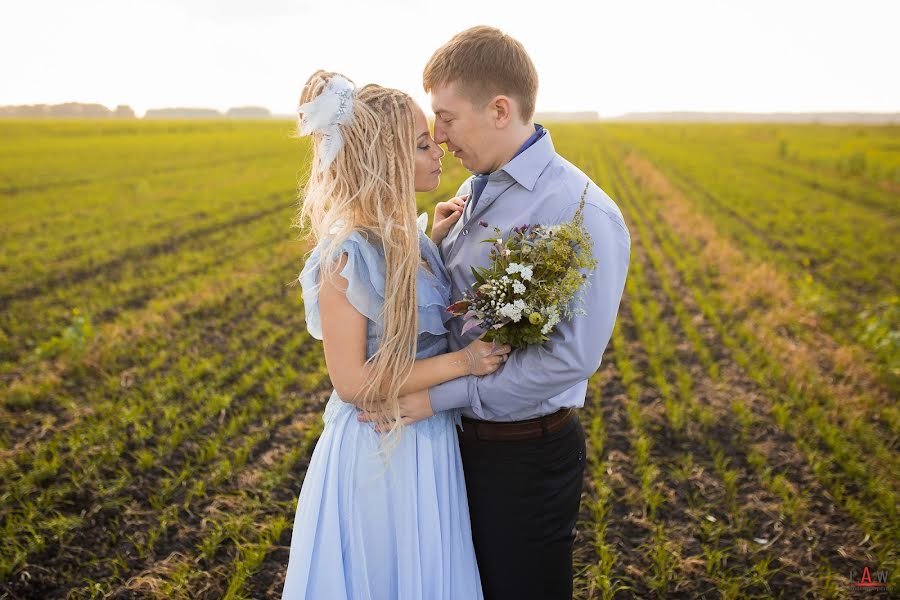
(448, 467)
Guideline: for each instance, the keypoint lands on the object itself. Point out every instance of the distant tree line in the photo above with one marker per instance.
(834, 118)
(68, 109)
(123, 111)
(98, 111)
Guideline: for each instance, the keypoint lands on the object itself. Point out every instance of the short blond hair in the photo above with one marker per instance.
(485, 62)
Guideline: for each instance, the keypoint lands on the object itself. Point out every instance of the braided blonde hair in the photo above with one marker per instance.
(370, 188)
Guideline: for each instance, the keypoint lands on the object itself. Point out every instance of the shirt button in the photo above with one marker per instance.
(465, 232)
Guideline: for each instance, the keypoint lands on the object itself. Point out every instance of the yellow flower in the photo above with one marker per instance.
(535, 318)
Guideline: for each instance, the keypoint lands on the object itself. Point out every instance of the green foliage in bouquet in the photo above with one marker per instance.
(534, 280)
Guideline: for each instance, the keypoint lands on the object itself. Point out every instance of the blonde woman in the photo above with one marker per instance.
(382, 512)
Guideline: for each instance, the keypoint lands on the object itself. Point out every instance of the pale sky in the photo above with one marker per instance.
(610, 57)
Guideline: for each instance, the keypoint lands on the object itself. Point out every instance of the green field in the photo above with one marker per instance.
(161, 397)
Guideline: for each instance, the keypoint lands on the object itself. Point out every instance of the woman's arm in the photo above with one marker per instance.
(446, 214)
(344, 339)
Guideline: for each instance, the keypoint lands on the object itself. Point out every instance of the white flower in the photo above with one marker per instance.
(518, 287)
(526, 273)
(525, 270)
(513, 311)
(552, 314)
(509, 311)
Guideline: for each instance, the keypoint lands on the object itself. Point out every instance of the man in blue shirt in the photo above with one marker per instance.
(521, 443)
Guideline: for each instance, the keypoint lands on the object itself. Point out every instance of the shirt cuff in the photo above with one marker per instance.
(450, 394)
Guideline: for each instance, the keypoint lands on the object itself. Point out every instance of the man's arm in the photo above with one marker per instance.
(575, 347)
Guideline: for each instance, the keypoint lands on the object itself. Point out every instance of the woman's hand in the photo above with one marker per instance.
(413, 407)
(485, 357)
(446, 214)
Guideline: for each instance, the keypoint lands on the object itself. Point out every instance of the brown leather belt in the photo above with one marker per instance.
(516, 430)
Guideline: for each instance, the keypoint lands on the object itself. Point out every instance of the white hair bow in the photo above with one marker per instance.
(333, 107)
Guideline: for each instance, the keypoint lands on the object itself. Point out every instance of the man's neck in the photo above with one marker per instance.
(515, 140)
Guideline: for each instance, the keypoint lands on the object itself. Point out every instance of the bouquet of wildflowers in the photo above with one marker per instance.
(533, 281)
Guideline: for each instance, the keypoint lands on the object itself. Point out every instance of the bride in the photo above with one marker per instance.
(382, 512)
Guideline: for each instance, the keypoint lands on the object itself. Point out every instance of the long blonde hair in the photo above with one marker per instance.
(370, 188)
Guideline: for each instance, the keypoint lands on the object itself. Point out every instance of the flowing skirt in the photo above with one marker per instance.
(367, 528)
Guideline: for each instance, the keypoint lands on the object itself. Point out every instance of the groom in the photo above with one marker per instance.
(522, 444)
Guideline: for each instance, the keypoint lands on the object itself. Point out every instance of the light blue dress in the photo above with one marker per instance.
(363, 532)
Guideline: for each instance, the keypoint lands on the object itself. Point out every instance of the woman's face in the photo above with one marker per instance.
(428, 154)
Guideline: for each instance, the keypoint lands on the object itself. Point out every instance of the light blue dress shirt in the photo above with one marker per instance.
(536, 186)
(481, 179)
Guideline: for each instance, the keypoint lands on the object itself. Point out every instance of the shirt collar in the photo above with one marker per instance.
(526, 166)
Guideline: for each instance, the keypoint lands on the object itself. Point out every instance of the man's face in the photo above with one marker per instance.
(467, 130)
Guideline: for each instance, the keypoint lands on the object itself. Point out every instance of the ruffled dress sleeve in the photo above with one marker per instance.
(365, 275)
(365, 272)
(434, 291)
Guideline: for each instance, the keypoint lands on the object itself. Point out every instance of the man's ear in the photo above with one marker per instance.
(502, 109)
